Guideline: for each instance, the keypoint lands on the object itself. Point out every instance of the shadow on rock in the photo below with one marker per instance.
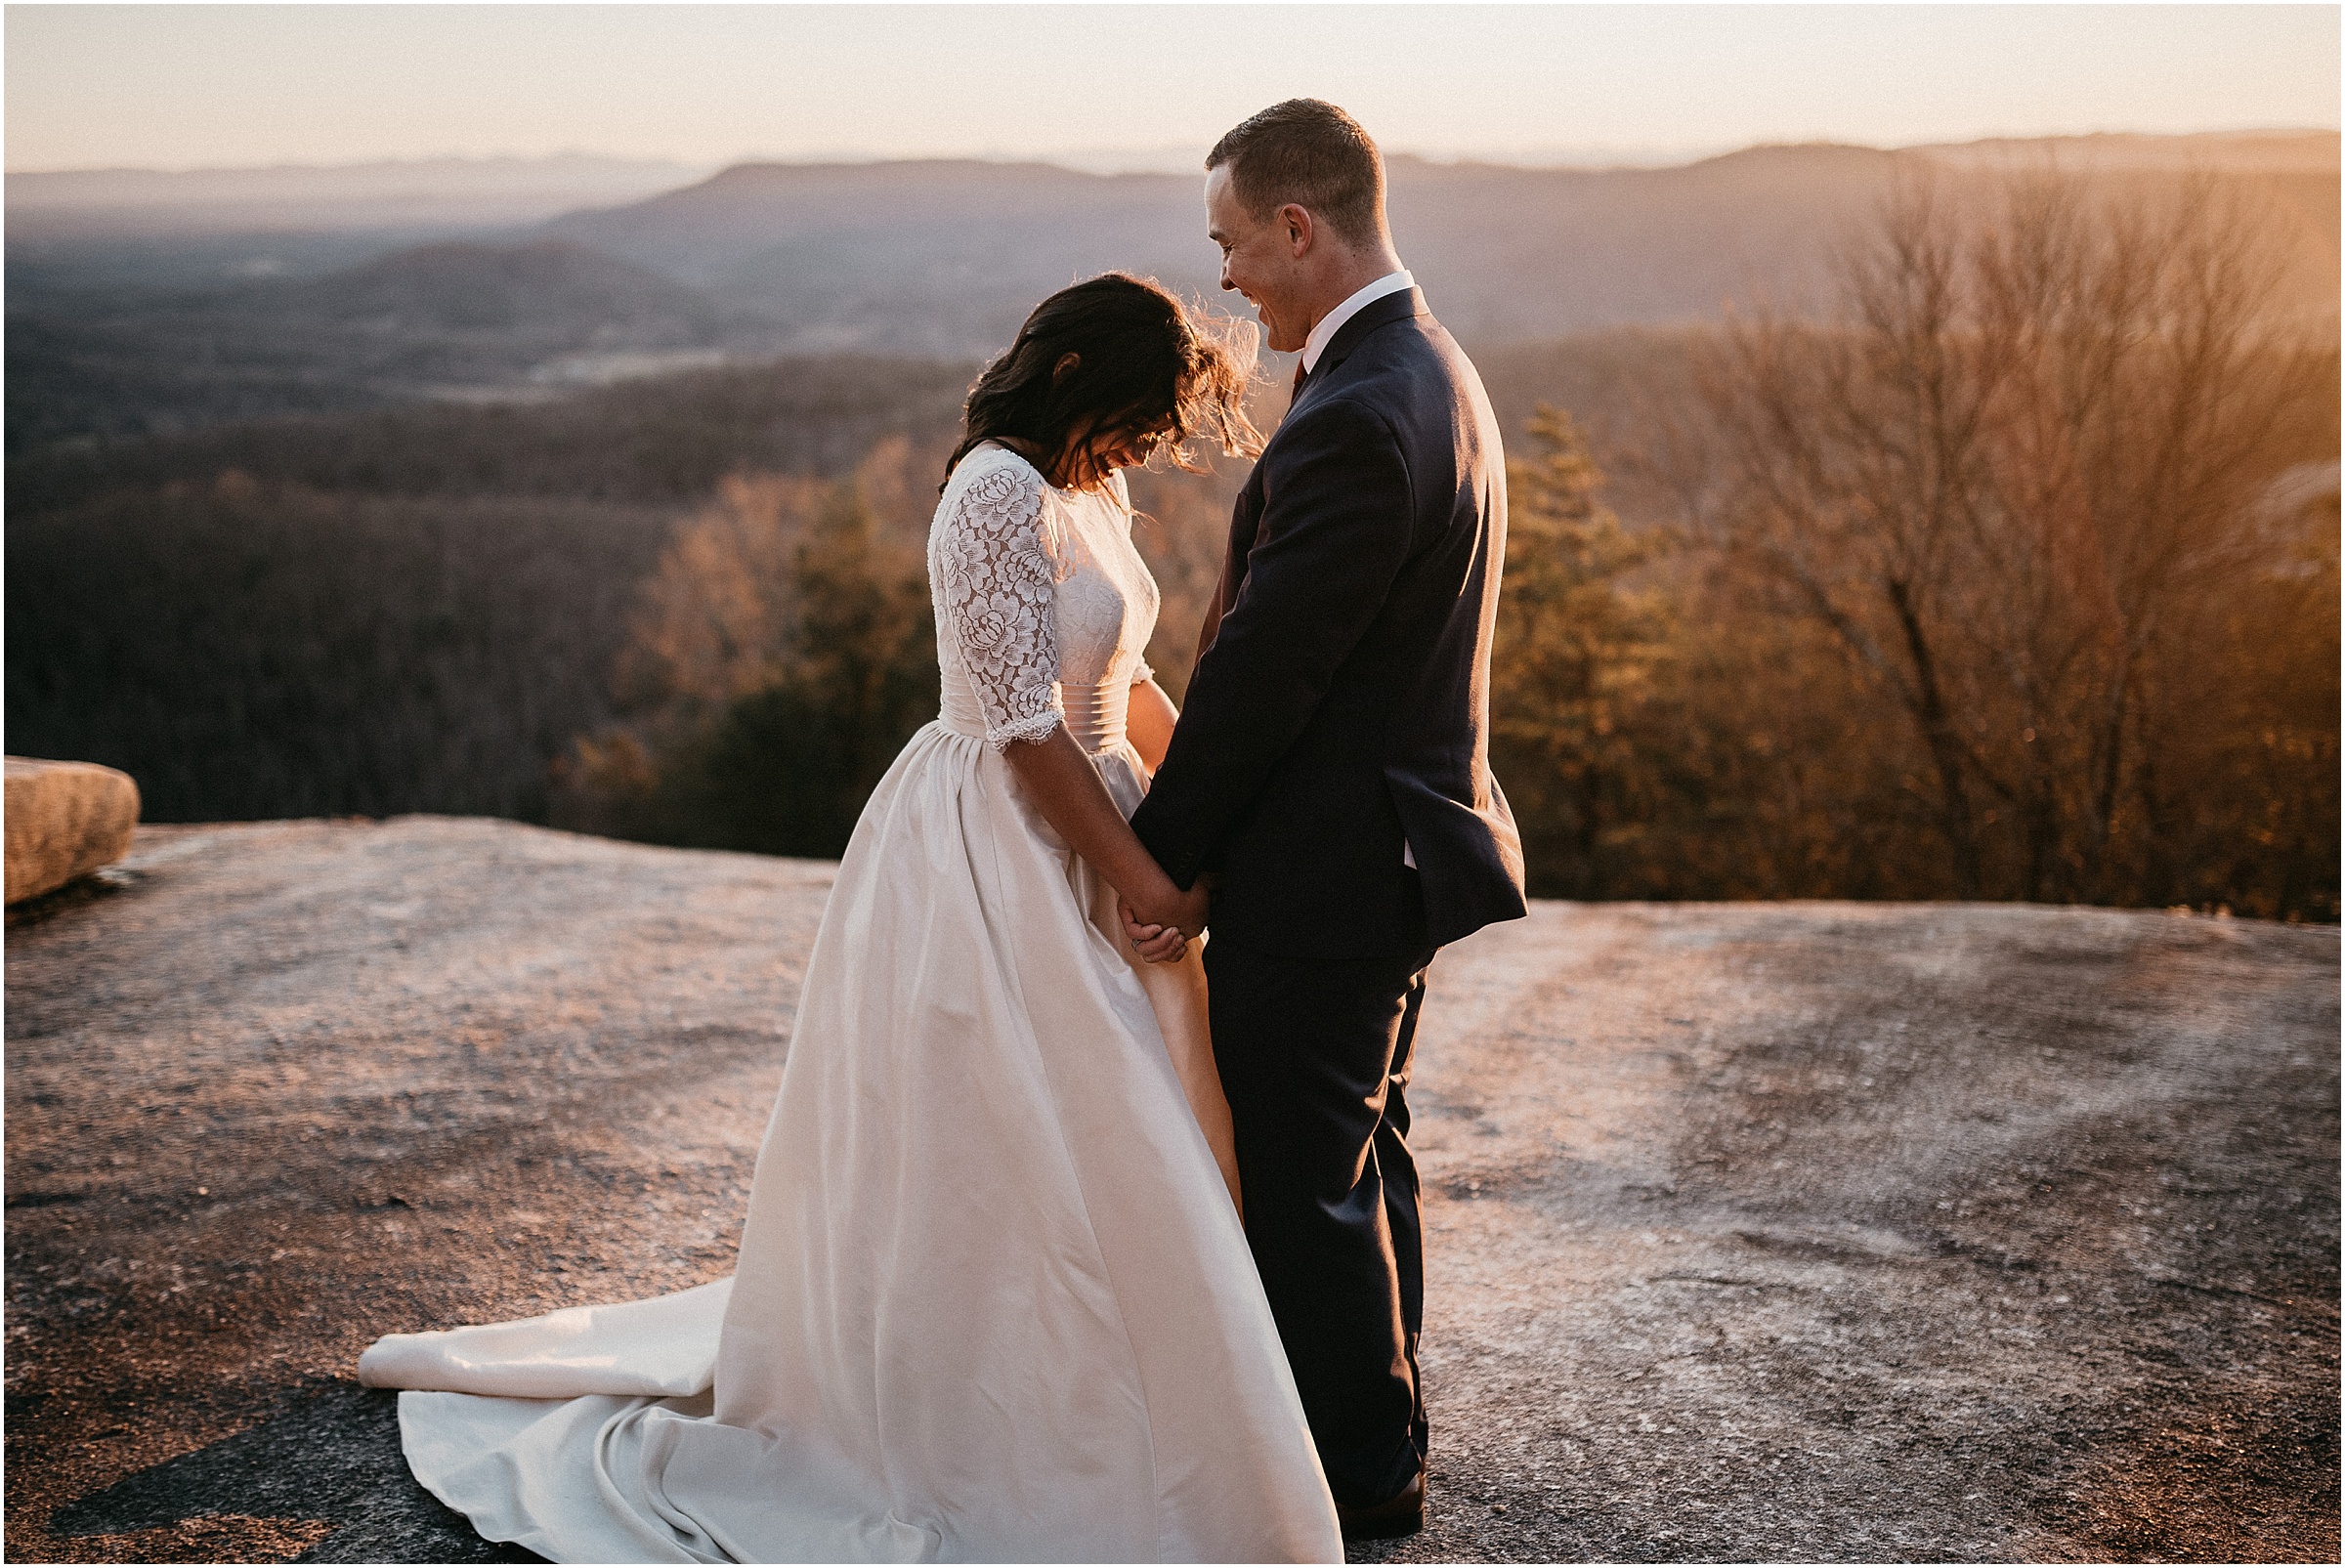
(325, 1472)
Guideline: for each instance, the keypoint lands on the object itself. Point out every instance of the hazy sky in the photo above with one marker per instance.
(192, 86)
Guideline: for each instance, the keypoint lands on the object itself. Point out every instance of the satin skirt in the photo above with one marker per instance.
(994, 1300)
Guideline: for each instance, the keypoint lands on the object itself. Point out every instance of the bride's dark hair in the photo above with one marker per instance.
(1121, 354)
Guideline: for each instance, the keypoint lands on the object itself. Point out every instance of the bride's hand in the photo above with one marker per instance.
(1154, 944)
(1162, 930)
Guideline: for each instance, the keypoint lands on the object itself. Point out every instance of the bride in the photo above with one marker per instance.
(994, 1300)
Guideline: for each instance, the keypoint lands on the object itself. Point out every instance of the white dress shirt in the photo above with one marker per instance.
(1316, 345)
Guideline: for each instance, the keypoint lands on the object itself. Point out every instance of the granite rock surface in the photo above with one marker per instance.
(1794, 1232)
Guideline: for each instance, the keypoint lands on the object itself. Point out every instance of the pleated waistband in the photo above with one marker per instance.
(1095, 714)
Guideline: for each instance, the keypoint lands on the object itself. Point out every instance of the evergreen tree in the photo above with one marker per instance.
(1579, 654)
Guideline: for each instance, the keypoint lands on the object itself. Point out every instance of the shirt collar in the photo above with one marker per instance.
(1316, 344)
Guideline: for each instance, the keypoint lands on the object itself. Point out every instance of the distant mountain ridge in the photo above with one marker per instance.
(945, 256)
(446, 192)
(941, 260)
(420, 192)
(546, 288)
(2274, 151)
(455, 319)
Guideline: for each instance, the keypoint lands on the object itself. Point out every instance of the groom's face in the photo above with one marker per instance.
(1259, 261)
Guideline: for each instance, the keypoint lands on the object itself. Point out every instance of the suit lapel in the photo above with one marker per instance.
(1244, 533)
(1397, 306)
(1243, 539)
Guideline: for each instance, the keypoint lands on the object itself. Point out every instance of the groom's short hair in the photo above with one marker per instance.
(1310, 153)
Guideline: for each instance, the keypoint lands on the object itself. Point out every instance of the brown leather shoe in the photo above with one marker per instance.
(1400, 1514)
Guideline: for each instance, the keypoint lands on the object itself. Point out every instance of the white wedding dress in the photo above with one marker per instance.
(994, 1301)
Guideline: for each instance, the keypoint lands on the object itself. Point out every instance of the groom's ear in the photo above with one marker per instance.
(1296, 221)
(1068, 365)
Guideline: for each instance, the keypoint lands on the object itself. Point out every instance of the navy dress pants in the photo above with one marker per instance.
(1314, 1058)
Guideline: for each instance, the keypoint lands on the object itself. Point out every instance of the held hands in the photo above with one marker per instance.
(1161, 932)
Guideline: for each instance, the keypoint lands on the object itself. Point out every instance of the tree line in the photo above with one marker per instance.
(2016, 578)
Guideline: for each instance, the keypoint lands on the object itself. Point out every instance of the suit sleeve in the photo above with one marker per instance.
(1336, 516)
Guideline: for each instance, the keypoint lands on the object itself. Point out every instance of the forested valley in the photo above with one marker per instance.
(2012, 572)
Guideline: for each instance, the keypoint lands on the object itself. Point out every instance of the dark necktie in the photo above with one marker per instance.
(1300, 376)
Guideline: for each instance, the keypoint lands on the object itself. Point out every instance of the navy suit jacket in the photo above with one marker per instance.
(1341, 697)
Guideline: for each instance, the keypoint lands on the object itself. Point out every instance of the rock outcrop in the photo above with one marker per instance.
(1794, 1232)
(64, 821)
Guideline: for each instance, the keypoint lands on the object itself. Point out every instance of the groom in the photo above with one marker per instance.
(1329, 777)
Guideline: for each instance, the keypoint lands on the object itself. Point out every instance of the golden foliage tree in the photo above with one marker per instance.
(2024, 486)
(782, 654)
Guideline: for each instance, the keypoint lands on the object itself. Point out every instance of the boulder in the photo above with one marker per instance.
(64, 819)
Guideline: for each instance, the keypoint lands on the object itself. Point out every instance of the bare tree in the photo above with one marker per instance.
(2011, 480)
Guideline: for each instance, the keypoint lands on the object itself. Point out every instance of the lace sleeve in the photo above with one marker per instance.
(996, 575)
